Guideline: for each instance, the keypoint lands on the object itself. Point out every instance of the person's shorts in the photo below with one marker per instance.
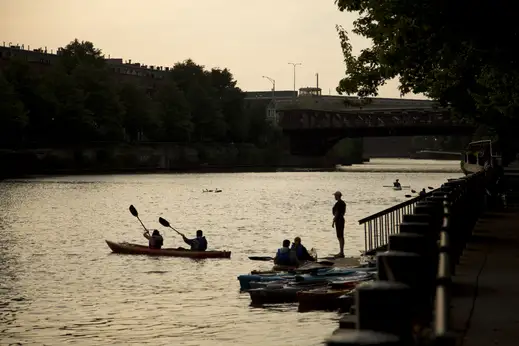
(339, 228)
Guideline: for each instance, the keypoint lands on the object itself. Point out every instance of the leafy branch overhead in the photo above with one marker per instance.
(441, 49)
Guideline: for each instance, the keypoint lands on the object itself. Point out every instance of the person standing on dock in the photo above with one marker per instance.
(339, 209)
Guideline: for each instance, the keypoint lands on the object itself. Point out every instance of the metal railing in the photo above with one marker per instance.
(379, 226)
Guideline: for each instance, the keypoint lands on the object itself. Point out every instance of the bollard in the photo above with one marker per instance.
(416, 272)
(362, 338)
(424, 218)
(386, 307)
(422, 246)
(425, 229)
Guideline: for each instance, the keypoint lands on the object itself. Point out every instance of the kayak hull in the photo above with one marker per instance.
(325, 299)
(278, 294)
(135, 249)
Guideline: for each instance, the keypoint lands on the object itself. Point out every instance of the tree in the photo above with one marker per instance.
(231, 100)
(139, 117)
(76, 53)
(440, 49)
(205, 108)
(13, 118)
(174, 113)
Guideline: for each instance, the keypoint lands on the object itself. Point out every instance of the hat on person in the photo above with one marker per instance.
(337, 193)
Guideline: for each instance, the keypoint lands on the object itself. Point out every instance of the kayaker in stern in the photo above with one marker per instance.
(197, 244)
(155, 240)
(285, 256)
(339, 209)
(301, 251)
(397, 184)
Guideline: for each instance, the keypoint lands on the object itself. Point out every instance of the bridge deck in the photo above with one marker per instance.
(486, 285)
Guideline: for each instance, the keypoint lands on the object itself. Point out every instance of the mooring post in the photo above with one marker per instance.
(384, 306)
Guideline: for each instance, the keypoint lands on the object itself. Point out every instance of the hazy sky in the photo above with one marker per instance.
(251, 38)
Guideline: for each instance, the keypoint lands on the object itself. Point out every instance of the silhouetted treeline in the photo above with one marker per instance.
(79, 99)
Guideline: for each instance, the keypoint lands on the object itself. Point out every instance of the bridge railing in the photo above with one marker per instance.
(379, 226)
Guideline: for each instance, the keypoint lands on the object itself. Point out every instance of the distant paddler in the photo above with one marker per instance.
(397, 184)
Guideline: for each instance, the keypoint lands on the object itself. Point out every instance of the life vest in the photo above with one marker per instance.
(155, 242)
(283, 257)
(202, 243)
(299, 251)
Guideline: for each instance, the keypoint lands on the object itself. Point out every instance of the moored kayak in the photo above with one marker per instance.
(135, 249)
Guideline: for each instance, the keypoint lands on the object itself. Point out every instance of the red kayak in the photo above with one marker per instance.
(135, 249)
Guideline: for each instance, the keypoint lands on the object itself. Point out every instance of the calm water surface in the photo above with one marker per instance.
(59, 283)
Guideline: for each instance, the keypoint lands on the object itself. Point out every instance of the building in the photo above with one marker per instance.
(125, 70)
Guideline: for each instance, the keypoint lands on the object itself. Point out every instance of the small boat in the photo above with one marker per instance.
(397, 188)
(325, 298)
(135, 249)
(278, 294)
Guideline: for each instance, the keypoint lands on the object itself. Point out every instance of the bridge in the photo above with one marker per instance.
(313, 132)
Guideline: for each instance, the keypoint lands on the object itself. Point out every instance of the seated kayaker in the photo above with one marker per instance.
(397, 184)
(197, 244)
(155, 240)
(301, 251)
(285, 256)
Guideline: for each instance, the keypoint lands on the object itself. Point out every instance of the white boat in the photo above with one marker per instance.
(478, 155)
(397, 188)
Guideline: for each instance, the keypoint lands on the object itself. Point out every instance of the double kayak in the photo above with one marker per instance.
(135, 249)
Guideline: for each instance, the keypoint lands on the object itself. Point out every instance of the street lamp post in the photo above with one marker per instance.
(273, 81)
(295, 64)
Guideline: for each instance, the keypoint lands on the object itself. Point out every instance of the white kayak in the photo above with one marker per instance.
(397, 188)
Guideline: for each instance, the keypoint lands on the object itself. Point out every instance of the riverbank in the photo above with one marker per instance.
(160, 158)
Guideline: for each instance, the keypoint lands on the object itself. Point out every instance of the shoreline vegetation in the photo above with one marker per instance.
(78, 114)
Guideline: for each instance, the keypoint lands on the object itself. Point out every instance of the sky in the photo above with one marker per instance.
(251, 38)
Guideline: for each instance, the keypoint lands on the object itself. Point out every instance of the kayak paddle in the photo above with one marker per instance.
(165, 223)
(261, 258)
(136, 214)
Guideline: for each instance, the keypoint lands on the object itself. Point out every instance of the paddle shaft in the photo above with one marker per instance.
(138, 218)
(176, 231)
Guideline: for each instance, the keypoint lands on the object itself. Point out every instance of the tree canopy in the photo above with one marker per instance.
(459, 53)
(80, 99)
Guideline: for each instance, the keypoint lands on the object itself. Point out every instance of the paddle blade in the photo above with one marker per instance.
(430, 188)
(260, 258)
(134, 211)
(164, 222)
(408, 196)
(413, 191)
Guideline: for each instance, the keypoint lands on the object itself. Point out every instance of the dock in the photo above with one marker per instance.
(446, 266)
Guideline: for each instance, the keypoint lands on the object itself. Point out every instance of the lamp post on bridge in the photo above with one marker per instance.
(295, 64)
(273, 111)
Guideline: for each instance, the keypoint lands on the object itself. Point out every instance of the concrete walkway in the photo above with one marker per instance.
(486, 285)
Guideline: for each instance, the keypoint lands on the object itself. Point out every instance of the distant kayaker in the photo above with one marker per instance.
(301, 251)
(155, 240)
(197, 244)
(423, 193)
(285, 256)
(339, 209)
(397, 184)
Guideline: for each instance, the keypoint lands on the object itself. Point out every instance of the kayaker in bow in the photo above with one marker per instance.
(197, 244)
(301, 251)
(339, 209)
(285, 256)
(155, 240)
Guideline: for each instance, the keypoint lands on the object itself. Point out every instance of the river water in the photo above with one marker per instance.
(59, 283)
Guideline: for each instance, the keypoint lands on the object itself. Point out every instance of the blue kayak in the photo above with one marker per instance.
(318, 275)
